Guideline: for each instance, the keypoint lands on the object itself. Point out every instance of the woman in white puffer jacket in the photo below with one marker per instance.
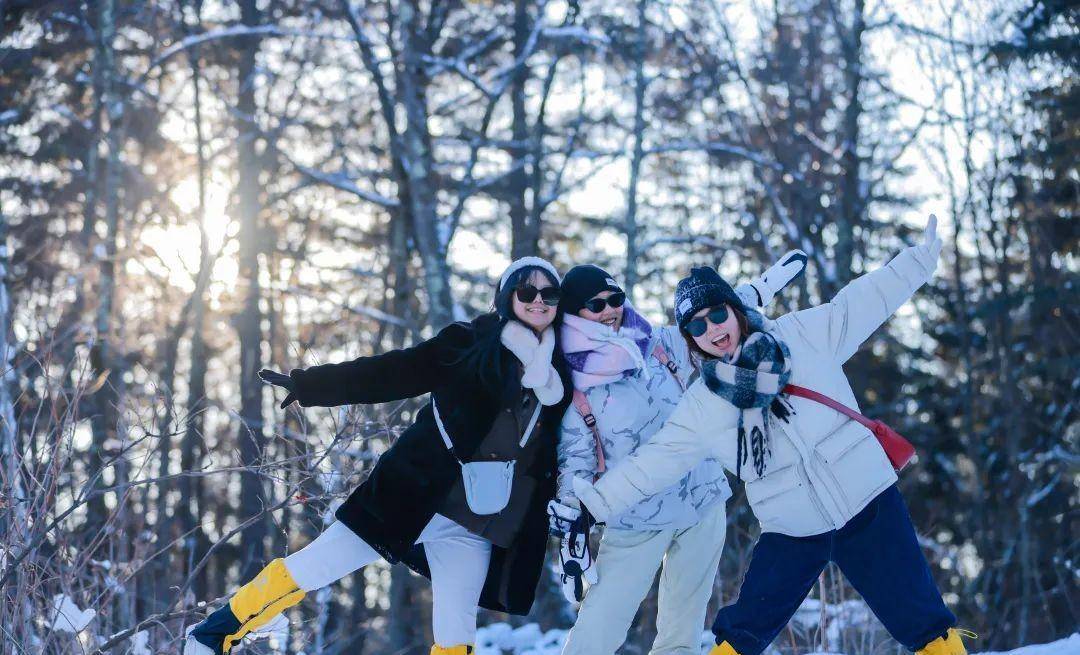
(819, 483)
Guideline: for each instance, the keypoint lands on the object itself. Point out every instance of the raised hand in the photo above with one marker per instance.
(280, 380)
(761, 291)
(930, 248)
(780, 274)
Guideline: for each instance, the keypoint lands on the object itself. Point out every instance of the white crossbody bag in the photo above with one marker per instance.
(487, 484)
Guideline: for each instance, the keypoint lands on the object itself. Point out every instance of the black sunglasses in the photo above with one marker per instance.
(596, 305)
(698, 326)
(548, 295)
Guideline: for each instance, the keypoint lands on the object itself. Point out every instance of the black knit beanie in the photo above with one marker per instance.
(582, 283)
(702, 288)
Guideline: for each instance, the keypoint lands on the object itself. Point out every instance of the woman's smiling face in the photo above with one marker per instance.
(719, 340)
(609, 316)
(534, 314)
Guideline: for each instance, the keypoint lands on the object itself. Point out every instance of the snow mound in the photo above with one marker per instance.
(1068, 646)
(68, 616)
(499, 638)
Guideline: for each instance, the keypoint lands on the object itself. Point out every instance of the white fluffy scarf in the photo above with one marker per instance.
(535, 355)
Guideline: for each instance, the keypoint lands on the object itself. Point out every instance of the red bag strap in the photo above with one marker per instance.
(581, 404)
(810, 394)
(898, 449)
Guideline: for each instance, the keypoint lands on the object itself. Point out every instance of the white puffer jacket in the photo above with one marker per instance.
(824, 467)
(628, 413)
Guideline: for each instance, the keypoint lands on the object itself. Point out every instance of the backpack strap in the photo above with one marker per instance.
(581, 404)
(660, 353)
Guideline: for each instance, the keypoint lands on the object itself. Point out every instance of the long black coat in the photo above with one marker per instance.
(413, 477)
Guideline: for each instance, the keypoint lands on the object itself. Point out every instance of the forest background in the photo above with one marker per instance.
(193, 190)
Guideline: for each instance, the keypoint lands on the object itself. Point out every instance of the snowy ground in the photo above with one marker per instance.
(1070, 646)
(529, 639)
(501, 639)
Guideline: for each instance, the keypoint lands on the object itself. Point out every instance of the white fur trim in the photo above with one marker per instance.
(535, 355)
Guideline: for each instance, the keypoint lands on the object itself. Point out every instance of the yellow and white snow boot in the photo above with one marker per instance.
(451, 650)
(950, 644)
(723, 648)
(254, 605)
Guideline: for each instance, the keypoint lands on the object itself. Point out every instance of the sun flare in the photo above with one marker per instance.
(177, 246)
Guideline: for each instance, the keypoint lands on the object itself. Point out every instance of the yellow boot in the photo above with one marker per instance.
(723, 648)
(950, 644)
(254, 605)
(451, 650)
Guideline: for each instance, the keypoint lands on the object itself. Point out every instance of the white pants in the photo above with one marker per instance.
(626, 566)
(458, 561)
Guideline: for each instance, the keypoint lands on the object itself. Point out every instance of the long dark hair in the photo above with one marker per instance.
(484, 354)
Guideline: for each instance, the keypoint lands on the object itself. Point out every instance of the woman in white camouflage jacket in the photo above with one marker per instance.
(628, 377)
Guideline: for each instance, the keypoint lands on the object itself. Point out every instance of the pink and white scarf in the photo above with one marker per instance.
(597, 354)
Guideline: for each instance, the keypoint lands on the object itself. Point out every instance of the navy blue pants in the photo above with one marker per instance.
(878, 553)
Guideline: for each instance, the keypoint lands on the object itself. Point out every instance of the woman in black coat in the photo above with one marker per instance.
(499, 386)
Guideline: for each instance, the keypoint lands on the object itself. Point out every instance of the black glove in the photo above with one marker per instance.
(280, 380)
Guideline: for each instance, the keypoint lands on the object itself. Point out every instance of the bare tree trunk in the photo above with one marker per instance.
(13, 516)
(189, 489)
(852, 200)
(402, 215)
(161, 578)
(630, 225)
(107, 424)
(69, 325)
(431, 235)
(103, 421)
(250, 437)
(524, 237)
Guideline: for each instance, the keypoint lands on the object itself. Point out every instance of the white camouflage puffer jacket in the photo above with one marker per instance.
(824, 467)
(628, 412)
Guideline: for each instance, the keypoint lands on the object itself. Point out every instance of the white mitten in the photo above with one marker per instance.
(761, 291)
(588, 495)
(929, 250)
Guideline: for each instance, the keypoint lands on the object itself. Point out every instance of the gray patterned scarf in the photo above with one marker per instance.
(752, 382)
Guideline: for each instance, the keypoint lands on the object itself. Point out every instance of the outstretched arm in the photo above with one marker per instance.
(395, 375)
(685, 440)
(843, 324)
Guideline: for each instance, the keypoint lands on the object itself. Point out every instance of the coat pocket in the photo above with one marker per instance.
(855, 461)
(782, 503)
